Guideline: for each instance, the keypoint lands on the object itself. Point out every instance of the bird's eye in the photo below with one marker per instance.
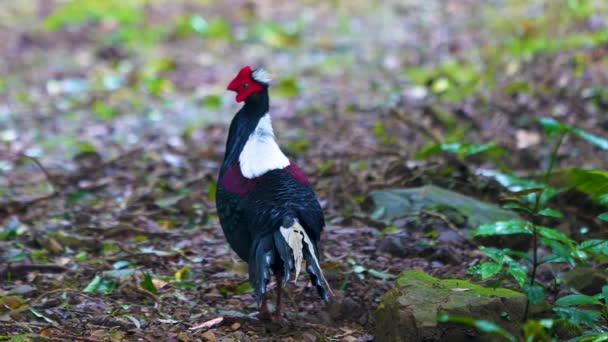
(245, 85)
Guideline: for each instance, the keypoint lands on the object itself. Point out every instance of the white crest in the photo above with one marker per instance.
(261, 152)
(261, 76)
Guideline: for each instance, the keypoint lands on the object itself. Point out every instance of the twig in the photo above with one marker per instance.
(423, 129)
(20, 270)
(74, 337)
(48, 176)
(78, 292)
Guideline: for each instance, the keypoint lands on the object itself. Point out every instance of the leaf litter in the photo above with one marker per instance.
(114, 226)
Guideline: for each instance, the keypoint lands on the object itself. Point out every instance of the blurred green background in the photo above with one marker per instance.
(102, 75)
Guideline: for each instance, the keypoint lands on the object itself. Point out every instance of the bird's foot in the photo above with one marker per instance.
(277, 317)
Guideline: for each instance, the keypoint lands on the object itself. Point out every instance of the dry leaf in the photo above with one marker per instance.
(208, 324)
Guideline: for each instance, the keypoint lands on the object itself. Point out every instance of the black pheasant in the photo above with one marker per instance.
(268, 211)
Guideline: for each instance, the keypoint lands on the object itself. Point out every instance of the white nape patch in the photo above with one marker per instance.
(261, 152)
(261, 75)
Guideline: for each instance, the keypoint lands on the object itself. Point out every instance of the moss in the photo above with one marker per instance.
(450, 286)
(566, 330)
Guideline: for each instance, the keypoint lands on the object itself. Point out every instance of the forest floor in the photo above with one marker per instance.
(113, 122)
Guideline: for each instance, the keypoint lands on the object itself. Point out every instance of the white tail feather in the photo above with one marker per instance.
(294, 236)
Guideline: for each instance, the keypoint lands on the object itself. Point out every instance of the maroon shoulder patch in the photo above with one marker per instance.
(235, 182)
(296, 172)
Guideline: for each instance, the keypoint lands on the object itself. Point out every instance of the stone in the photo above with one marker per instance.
(208, 336)
(408, 312)
(587, 280)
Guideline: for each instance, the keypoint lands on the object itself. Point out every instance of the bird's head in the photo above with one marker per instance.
(249, 82)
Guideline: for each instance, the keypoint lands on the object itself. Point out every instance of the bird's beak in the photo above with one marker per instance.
(232, 86)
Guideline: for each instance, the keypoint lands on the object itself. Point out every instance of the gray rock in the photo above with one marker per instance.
(586, 280)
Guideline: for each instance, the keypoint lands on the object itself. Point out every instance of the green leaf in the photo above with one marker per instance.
(592, 138)
(99, 284)
(591, 337)
(553, 234)
(578, 316)
(504, 228)
(40, 315)
(218, 28)
(212, 101)
(428, 150)
(553, 127)
(520, 185)
(605, 293)
(551, 213)
(118, 274)
(287, 87)
(460, 149)
(379, 274)
(485, 326)
(603, 216)
(590, 181)
(103, 111)
(243, 288)
(359, 269)
(123, 13)
(211, 190)
(576, 299)
(595, 246)
(518, 272)
(536, 331)
(561, 252)
(93, 285)
(517, 206)
(277, 35)
(489, 269)
(496, 254)
(535, 293)
(120, 264)
(147, 283)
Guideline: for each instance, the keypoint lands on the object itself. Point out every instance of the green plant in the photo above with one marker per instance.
(531, 198)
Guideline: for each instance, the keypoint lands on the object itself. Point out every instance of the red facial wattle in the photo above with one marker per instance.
(244, 85)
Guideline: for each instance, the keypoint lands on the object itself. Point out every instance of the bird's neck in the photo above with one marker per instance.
(251, 139)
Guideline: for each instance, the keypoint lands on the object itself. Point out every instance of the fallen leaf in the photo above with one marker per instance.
(526, 139)
(159, 284)
(46, 332)
(208, 324)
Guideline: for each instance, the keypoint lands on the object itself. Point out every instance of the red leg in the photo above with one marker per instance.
(277, 312)
(264, 313)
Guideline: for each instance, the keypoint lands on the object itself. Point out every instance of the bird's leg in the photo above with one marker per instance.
(277, 312)
(264, 313)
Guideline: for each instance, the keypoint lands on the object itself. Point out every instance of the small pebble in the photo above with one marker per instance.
(208, 336)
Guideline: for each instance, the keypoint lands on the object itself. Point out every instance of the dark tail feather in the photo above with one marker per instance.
(262, 256)
(316, 275)
(285, 253)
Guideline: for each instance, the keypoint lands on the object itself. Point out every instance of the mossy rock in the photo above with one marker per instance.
(408, 312)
